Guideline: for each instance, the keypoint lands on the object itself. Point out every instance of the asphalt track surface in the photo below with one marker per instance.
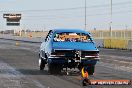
(19, 68)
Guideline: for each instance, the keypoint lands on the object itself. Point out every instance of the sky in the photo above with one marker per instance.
(50, 14)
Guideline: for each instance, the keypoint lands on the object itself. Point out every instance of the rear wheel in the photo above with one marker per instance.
(90, 69)
(80, 66)
(54, 68)
(41, 64)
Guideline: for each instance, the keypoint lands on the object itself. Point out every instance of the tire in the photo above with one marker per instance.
(80, 67)
(54, 68)
(41, 64)
(86, 82)
(90, 69)
(50, 68)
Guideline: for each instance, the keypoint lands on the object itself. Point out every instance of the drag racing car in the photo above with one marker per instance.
(68, 48)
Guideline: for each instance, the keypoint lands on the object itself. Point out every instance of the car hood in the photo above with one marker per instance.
(75, 45)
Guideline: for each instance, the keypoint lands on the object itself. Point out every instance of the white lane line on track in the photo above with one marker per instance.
(10, 78)
(114, 58)
(120, 57)
(115, 66)
(123, 62)
(39, 85)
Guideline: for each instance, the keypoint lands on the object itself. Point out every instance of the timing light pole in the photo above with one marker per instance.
(85, 14)
(110, 23)
(111, 20)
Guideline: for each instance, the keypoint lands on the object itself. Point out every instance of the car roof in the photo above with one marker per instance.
(71, 30)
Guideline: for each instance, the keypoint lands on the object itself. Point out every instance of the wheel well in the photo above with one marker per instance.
(46, 56)
(39, 55)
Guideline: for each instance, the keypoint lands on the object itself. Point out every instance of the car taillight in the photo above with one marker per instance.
(94, 54)
(57, 54)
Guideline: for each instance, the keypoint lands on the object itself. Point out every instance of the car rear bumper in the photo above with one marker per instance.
(59, 60)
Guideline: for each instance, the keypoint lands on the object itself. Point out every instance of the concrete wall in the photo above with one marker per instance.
(129, 47)
(116, 43)
(99, 42)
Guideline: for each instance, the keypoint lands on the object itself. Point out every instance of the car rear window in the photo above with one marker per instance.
(72, 37)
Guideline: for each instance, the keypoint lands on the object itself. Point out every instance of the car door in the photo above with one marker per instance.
(43, 47)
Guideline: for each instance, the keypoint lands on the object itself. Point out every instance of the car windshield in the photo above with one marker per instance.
(72, 37)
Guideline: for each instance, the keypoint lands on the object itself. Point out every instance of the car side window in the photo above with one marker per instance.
(47, 38)
(48, 35)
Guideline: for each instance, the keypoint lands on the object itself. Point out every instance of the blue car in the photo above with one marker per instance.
(68, 48)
